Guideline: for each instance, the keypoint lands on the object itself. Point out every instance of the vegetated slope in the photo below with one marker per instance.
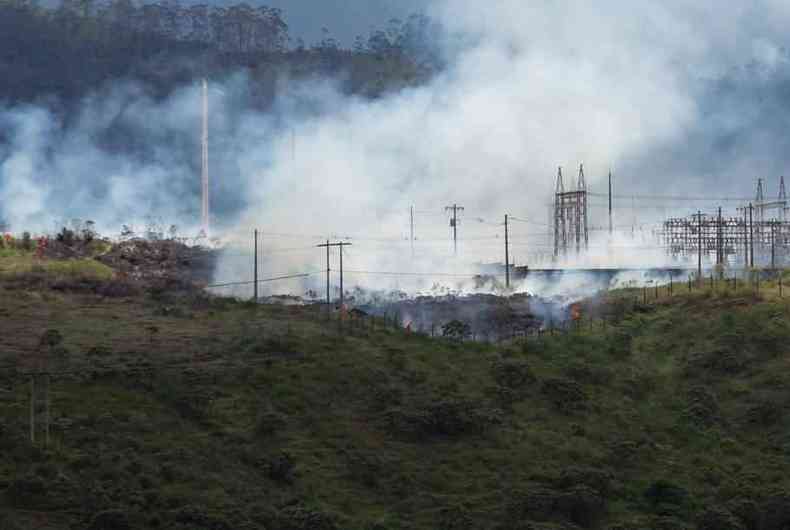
(206, 413)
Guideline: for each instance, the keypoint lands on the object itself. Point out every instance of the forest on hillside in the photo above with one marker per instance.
(67, 51)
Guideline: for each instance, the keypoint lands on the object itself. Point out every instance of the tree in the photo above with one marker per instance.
(456, 330)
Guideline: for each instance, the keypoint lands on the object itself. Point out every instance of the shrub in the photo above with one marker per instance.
(281, 468)
(196, 517)
(666, 498)
(26, 242)
(597, 479)
(775, 513)
(456, 330)
(364, 468)
(110, 520)
(583, 506)
(718, 518)
(302, 518)
(585, 373)
(512, 373)
(703, 408)
(269, 423)
(565, 394)
(449, 417)
(765, 414)
(27, 492)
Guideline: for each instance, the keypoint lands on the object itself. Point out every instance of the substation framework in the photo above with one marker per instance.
(570, 216)
(759, 235)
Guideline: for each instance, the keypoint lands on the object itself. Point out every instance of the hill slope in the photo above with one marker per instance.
(193, 412)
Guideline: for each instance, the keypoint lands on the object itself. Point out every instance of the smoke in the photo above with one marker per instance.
(664, 95)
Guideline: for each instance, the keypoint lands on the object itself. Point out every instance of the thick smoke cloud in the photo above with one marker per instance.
(682, 98)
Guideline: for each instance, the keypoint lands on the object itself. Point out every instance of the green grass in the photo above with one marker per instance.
(21, 262)
(395, 430)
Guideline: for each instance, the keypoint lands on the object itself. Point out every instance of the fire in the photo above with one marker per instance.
(576, 311)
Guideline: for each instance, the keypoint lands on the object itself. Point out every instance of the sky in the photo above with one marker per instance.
(679, 98)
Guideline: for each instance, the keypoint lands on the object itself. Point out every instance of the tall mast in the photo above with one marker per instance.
(204, 163)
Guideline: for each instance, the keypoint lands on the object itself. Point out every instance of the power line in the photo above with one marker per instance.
(265, 280)
(670, 197)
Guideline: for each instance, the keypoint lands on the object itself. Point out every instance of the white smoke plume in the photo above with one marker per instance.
(529, 86)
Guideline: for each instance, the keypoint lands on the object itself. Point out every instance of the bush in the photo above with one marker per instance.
(110, 520)
(195, 517)
(269, 423)
(775, 513)
(512, 373)
(27, 492)
(565, 394)
(281, 468)
(450, 417)
(26, 243)
(587, 374)
(301, 518)
(456, 330)
(702, 410)
(717, 518)
(583, 506)
(596, 479)
(666, 498)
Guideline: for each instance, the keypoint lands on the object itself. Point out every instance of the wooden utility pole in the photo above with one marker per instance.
(255, 269)
(327, 245)
(507, 257)
(454, 224)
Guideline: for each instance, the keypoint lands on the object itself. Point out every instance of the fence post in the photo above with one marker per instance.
(689, 283)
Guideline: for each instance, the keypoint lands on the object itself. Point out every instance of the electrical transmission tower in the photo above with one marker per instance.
(454, 224)
(570, 215)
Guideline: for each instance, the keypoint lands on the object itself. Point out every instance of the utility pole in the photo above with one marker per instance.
(454, 223)
(328, 302)
(773, 239)
(745, 241)
(699, 245)
(751, 238)
(719, 242)
(411, 230)
(341, 275)
(610, 203)
(327, 245)
(507, 257)
(255, 269)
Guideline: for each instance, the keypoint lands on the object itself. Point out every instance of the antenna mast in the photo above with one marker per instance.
(204, 162)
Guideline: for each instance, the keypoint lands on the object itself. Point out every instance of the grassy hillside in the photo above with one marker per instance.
(202, 413)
